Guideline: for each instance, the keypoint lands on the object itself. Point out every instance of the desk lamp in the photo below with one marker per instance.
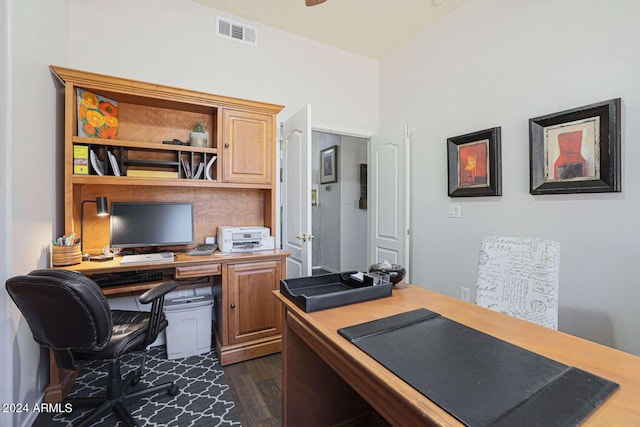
(101, 210)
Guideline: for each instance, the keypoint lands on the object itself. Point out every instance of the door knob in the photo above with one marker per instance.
(304, 237)
(226, 145)
(233, 306)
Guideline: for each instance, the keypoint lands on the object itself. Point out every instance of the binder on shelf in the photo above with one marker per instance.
(207, 169)
(81, 160)
(114, 163)
(186, 168)
(98, 165)
(198, 173)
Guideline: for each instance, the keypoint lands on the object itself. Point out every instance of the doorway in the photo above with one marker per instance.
(338, 214)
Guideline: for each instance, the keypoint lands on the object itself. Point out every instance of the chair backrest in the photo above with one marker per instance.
(65, 310)
(519, 276)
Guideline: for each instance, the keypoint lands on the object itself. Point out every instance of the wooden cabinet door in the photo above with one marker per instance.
(253, 311)
(247, 147)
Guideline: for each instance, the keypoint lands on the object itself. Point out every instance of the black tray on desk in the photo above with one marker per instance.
(315, 293)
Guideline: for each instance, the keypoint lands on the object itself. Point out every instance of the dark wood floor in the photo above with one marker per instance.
(256, 388)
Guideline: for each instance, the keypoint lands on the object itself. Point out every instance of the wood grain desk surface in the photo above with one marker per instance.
(201, 266)
(181, 259)
(382, 389)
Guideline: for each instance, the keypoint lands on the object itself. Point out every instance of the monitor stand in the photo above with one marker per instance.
(147, 258)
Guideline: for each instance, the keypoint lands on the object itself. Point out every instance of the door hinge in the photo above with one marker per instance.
(281, 138)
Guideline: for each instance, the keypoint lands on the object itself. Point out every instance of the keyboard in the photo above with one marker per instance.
(203, 249)
(147, 258)
(127, 277)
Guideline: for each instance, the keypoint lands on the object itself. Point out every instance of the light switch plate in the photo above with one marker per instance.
(454, 211)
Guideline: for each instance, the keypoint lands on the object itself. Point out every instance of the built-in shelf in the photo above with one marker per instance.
(163, 182)
(142, 145)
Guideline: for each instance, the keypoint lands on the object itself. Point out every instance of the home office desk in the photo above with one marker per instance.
(246, 316)
(329, 381)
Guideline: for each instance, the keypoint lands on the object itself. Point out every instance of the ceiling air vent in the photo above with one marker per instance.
(235, 31)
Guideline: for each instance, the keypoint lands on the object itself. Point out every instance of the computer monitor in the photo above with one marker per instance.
(143, 224)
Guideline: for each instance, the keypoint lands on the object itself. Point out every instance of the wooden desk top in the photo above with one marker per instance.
(385, 391)
(181, 260)
(184, 266)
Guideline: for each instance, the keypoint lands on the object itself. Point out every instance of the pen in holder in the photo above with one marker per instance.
(65, 255)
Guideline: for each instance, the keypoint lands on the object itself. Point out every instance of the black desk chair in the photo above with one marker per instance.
(68, 313)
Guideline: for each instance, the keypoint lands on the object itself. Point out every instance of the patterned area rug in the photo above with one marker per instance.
(204, 398)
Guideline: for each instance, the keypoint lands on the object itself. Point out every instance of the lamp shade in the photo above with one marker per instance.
(102, 208)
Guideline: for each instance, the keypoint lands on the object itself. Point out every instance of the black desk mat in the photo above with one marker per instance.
(479, 379)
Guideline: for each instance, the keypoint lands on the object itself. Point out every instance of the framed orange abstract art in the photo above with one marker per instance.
(576, 151)
(474, 164)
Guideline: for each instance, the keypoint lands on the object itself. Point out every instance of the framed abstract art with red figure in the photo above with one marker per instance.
(576, 151)
(474, 164)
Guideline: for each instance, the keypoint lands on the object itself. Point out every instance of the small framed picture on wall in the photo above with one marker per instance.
(474, 164)
(328, 165)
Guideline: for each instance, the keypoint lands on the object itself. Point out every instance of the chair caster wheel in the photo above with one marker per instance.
(173, 390)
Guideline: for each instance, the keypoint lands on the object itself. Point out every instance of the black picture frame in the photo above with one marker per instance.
(587, 157)
(483, 175)
(362, 202)
(329, 165)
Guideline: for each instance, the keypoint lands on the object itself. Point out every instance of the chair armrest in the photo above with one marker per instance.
(157, 292)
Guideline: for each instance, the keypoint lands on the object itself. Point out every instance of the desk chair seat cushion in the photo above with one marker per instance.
(129, 333)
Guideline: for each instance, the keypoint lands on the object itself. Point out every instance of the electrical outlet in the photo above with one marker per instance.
(454, 211)
(464, 294)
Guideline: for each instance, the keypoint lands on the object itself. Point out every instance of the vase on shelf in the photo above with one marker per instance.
(199, 139)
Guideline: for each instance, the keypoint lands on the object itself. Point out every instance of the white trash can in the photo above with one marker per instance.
(189, 330)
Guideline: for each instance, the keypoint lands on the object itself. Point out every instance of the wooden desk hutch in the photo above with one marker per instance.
(241, 192)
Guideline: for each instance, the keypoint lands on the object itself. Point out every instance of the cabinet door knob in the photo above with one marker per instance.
(226, 145)
(233, 306)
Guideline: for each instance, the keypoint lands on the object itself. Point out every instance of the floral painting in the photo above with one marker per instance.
(97, 116)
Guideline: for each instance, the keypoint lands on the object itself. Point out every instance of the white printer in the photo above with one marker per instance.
(244, 239)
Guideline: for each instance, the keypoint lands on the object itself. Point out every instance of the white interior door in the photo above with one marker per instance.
(389, 226)
(296, 192)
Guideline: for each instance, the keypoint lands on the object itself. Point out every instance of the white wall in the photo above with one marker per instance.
(327, 214)
(36, 35)
(353, 221)
(174, 42)
(499, 63)
(339, 227)
(6, 322)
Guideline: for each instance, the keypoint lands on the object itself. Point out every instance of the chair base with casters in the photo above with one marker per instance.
(68, 313)
(118, 395)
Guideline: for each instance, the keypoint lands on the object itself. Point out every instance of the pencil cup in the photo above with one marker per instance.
(66, 255)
